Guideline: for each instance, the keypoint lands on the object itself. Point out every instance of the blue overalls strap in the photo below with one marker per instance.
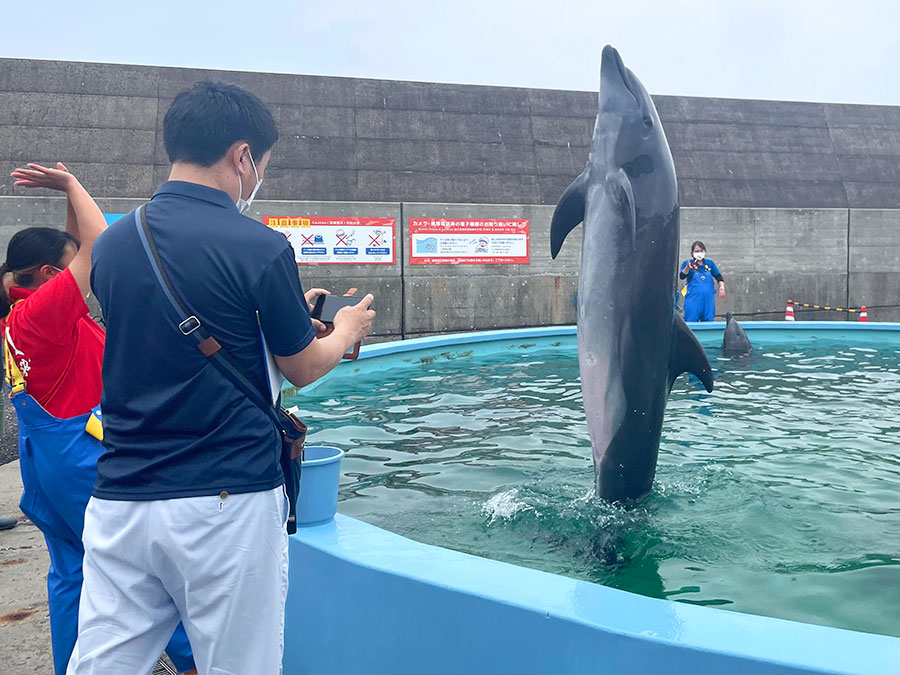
(15, 380)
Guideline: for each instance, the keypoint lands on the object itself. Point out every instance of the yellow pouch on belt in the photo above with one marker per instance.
(94, 425)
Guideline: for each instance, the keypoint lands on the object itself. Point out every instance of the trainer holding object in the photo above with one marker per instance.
(702, 276)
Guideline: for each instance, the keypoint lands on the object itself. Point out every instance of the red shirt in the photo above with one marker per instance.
(56, 345)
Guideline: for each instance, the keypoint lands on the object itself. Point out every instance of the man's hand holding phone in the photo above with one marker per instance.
(312, 298)
(356, 319)
(346, 317)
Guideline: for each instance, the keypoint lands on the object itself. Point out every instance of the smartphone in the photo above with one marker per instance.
(328, 305)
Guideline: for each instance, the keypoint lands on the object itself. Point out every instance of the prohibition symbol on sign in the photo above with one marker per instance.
(307, 239)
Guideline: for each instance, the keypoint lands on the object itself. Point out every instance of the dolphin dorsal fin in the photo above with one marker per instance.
(568, 214)
(687, 356)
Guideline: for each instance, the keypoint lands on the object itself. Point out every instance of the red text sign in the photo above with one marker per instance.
(451, 241)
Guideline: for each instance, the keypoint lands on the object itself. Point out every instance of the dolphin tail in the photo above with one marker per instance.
(687, 356)
(569, 213)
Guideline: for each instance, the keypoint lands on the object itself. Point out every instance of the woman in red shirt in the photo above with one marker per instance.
(54, 358)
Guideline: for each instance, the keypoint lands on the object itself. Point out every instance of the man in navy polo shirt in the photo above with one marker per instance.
(188, 515)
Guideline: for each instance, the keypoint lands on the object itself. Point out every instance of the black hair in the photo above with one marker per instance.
(696, 244)
(29, 250)
(206, 120)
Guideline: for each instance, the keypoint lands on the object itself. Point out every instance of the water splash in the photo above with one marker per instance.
(504, 506)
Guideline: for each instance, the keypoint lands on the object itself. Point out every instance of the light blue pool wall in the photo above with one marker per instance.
(365, 600)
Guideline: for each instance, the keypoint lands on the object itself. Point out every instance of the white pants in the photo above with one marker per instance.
(219, 564)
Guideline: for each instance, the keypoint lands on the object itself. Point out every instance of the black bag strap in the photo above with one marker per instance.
(189, 325)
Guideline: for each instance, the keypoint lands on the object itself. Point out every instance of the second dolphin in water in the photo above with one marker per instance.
(631, 343)
(735, 341)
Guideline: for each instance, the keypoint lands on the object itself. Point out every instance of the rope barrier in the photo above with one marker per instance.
(826, 307)
(780, 312)
(789, 310)
(807, 307)
(841, 309)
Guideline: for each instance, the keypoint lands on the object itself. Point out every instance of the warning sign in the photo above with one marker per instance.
(445, 241)
(323, 240)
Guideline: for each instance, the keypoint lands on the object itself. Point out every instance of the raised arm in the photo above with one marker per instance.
(687, 270)
(84, 219)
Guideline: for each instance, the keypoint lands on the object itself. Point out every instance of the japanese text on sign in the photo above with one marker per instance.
(322, 240)
(446, 241)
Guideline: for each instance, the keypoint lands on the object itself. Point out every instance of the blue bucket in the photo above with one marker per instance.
(319, 479)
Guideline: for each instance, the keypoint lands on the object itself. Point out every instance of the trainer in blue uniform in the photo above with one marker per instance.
(701, 274)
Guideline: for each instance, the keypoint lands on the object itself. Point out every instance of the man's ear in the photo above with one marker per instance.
(235, 158)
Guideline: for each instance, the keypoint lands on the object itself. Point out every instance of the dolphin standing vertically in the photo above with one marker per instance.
(631, 343)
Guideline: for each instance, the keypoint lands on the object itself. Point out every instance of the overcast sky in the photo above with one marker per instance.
(845, 52)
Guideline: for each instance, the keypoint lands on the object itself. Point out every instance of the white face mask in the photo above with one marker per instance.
(243, 205)
(699, 255)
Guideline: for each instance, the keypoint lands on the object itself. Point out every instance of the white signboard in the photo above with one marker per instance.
(323, 240)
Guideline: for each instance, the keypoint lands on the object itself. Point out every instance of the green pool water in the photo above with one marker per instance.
(778, 494)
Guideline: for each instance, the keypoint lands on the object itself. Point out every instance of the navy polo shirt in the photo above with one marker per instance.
(174, 426)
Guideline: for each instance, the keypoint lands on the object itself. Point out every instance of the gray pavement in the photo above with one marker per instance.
(24, 617)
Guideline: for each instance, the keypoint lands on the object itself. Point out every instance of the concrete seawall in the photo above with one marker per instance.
(352, 139)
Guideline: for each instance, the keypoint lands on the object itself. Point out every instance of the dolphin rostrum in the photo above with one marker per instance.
(735, 341)
(631, 343)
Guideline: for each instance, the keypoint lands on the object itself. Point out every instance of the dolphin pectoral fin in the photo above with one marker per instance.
(687, 356)
(569, 212)
(619, 189)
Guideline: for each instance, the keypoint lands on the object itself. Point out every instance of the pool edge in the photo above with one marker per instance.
(367, 599)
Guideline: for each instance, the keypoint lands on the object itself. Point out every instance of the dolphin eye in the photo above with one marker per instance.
(647, 122)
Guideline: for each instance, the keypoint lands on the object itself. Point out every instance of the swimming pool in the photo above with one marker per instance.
(479, 445)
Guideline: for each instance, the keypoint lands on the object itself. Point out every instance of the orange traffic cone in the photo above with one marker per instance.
(863, 314)
(789, 311)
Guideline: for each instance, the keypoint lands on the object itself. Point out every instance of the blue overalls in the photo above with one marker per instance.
(700, 299)
(58, 461)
